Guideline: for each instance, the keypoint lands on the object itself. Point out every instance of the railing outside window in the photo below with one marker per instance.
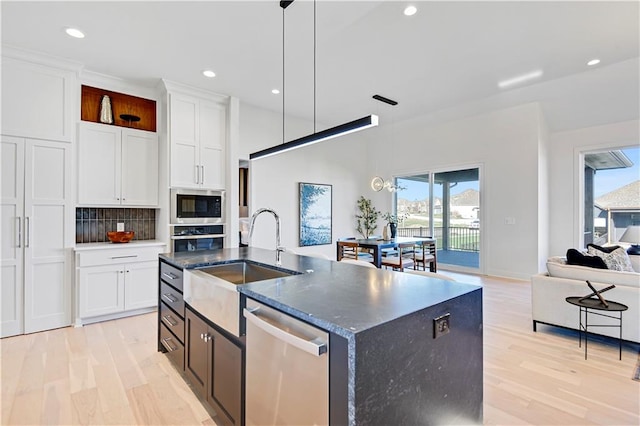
(461, 238)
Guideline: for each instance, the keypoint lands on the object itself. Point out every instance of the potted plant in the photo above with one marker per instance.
(393, 219)
(368, 217)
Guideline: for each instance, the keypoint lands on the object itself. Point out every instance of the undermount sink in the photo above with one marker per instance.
(243, 272)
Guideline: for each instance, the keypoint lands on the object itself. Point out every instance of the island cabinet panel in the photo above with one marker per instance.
(213, 366)
(440, 379)
(171, 315)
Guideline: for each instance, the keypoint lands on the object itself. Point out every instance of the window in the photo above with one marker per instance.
(611, 194)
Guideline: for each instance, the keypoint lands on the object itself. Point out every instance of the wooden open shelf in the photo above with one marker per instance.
(120, 104)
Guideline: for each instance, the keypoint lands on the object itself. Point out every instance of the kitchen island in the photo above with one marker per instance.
(403, 349)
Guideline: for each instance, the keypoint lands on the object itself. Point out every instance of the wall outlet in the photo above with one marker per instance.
(441, 325)
(509, 220)
(120, 227)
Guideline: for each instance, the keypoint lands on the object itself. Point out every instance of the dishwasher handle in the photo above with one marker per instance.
(314, 347)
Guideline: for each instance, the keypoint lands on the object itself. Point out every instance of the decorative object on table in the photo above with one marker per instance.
(393, 219)
(632, 235)
(368, 217)
(120, 236)
(106, 114)
(385, 233)
(597, 293)
(323, 135)
(315, 214)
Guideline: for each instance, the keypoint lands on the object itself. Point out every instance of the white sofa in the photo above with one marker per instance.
(549, 290)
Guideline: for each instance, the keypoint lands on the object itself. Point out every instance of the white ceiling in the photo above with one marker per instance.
(449, 54)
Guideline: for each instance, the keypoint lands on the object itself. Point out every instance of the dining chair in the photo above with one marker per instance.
(430, 274)
(350, 249)
(404, 259)
(358, 262)
(425, 253)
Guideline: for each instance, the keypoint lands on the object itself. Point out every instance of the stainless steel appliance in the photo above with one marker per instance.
(194, 206)
(197, 237)
(287, 369)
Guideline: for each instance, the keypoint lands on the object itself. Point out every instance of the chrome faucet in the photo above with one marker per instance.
(279, 248)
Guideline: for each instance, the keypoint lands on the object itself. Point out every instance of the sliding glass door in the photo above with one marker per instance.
(444, 205)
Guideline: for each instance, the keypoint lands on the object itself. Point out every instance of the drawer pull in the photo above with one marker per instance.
(165, 343)
(170, 320)
(170, 275)
(124, 257)
(170, 297)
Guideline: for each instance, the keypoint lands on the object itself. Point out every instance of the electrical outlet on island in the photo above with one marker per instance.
(120, 227)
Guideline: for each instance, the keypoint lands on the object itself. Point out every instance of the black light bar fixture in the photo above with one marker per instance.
(334, 132)
(341, 130)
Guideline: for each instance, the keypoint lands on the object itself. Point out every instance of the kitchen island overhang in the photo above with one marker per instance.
(387, 367)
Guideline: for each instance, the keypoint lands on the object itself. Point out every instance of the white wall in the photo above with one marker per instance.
(340, 162)
(567, 187)
(505, 145)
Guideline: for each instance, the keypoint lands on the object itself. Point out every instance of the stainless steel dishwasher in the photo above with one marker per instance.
(287, 372)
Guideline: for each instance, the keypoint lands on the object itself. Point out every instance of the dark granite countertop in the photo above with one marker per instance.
(341, 298)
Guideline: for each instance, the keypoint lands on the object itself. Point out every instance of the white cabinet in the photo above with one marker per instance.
(114, 282)
(35, 244)
(198, 134)
(117, 166)
(37, 100)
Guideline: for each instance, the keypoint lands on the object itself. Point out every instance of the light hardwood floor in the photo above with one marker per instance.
(110, 373)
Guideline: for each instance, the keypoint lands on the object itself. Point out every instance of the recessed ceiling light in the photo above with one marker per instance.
(593, 62)
(74, 32)
(520, 79)
(410, 10)
(208, 73)
(275, 91)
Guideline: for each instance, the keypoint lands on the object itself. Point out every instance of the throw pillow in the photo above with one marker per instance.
(617, 260)
(574, 257)
(604, 249)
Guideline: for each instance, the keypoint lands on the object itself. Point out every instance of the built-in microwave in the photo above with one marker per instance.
(196, 206)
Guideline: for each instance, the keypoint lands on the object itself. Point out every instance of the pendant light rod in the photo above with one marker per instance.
(341, 130)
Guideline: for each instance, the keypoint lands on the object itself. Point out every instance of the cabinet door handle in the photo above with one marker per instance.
(124, 257)
(27, 223)
(170, 320)
(170, 297)
(19, 232)
(197, 174)
(165, 343)
(169, 275)
(202, 168)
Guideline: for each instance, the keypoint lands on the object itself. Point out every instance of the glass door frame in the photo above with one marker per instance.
(483, 225)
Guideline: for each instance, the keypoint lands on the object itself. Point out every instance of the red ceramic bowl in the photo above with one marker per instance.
(120, 236)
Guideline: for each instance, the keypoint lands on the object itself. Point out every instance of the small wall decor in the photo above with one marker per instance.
(315, 214)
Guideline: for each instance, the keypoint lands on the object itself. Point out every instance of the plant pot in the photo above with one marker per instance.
(393, 229)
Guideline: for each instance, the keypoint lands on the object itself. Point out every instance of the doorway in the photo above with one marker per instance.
(444, 205)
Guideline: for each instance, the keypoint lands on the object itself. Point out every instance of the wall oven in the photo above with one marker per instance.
(193, 206)
(196, 237)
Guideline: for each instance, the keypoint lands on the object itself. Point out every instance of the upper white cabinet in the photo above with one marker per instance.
(197, 134)
(37, 100)
(117, 166)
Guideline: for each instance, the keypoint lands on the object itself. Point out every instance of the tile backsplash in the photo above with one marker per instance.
(92, 224)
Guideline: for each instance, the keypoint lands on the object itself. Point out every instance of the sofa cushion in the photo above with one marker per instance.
(574, 257)
(604, 276)
(607, 249)
(616, 260)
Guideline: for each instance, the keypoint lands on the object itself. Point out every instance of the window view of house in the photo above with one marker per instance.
(612, 194)
(454, 218)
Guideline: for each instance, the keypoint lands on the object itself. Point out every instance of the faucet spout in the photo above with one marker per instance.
(279, 248)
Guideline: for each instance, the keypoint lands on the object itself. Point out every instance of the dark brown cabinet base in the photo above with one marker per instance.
(213, 365)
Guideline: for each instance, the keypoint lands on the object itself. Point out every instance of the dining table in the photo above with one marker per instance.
(376, 245)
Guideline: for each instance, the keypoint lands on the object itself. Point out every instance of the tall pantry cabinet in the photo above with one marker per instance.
(36, 216)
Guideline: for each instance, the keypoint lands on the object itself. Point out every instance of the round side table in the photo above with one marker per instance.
(588, 306)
